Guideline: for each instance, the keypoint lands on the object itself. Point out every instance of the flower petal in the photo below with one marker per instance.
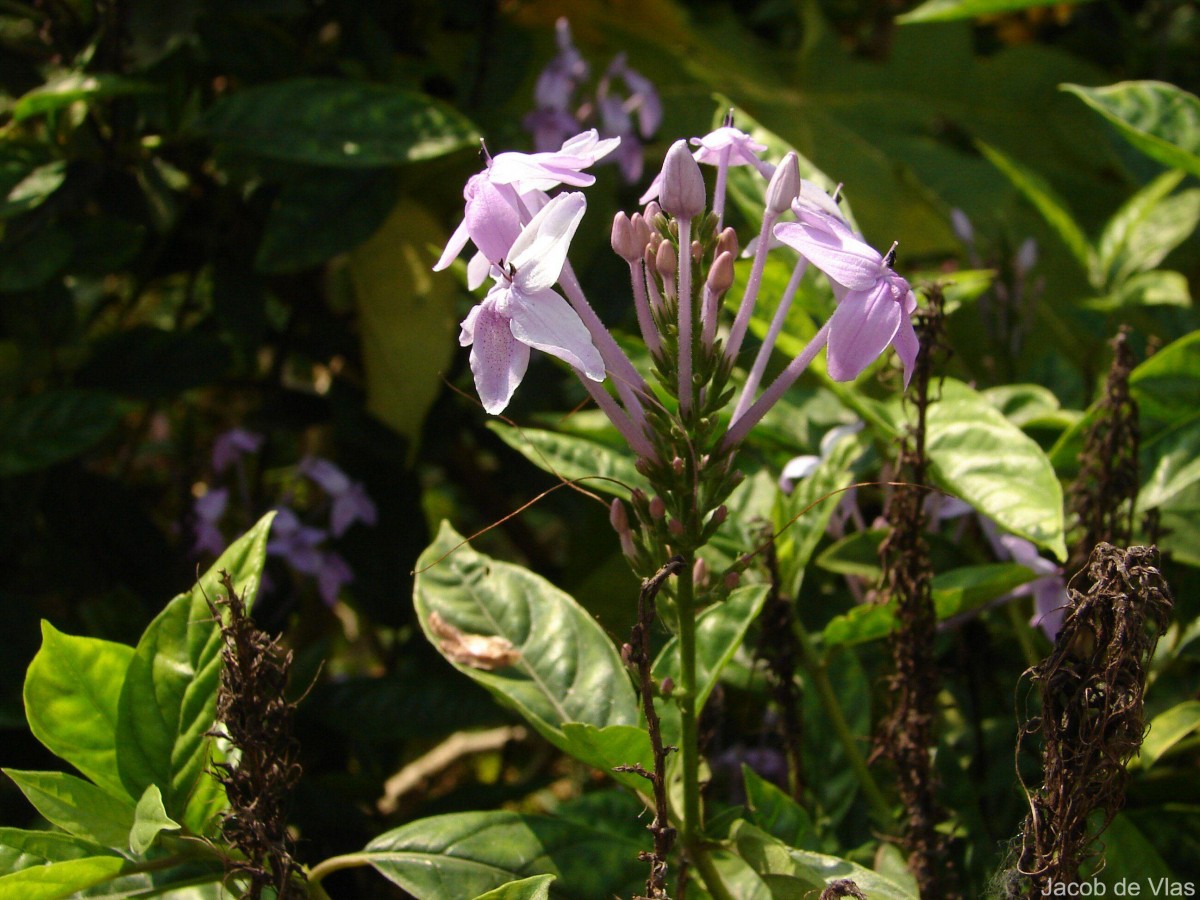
(492, 222)
(546, 322)
(539, 252)
(860, 329)
(454, 246)
(498, 360)
(842, 257)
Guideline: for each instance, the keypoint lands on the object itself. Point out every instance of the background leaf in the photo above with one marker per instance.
(1159, 119)
(571, 458)
(336, 122)
(77, 806)
(536, 887)
(949, 10)
(59, 879)
(39, 431)
(150, 819)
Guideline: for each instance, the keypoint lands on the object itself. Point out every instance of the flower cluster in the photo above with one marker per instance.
(621, 95)
(301, 546)
(681, 266)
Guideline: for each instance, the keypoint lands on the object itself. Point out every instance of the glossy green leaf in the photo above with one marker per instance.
(73, 87)
(168, 701)
(150, 820)
(565, 668)
(611, 746)
(1130, 856)
(775, 812)
(770, 856)
(536, 887)
(32, 260)
(1159, 119)
(597, 467)
(466, 854)
(328, 213)
(39, 431)
(1130, 227)
(338, 122)
(954, 592)
(951, 10)
(33, 189)
(1169, 461)
(1168, 728)
(978, 455)
(77, 806)
(1022, 403)
(720, 630)
(742, 881)
(59, 879)
(1052, 207)
(20, 849)
(72, 692)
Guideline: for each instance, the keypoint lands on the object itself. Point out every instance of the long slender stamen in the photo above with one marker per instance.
(768, 344)
(742, 321)
(740, 427)
(719, 189)
(633, 433)
(637, 278)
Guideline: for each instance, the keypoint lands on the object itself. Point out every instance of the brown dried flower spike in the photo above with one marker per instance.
(254, 716)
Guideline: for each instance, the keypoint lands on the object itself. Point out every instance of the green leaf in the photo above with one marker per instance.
(1052, 207)
(150, 819)
(976, 454)
(769, 856)
(774, 811)
(30, 261)
(1169, 461)
(1130, 856)
(72, 692)
(37, 432)
(168, 701)
(338, 122)
(1157, 288)
(720, 630)
(33, 189)
(77, 806)
(611, 746)
(536, 887)
(60, 879)
(1168, 728)
(1159, 119)
(572, 458)
(950, 10)
(325, 214)
(954, 592)
(565, 668)
(20, 849)
(73, 87)
(1129, 234)
(1022, 403)
(406, 318)
(466, 854)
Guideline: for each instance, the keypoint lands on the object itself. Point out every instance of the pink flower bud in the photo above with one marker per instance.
(719, 514)
(624, 243)
(667, 688)
(666, 260)
(720, 274)
(658, 509)
(727, 242)
(682, 193)
(641, 230)
(652, 210)
(700, 572)
(677, 466)
(675, 527)
(618, 517)
(784, 186)
(731, 579)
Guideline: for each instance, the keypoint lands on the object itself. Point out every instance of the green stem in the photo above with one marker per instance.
(336, 864)
(690, 751)
(816, 669)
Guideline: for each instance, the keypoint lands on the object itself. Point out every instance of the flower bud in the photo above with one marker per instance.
(641, 230)
(720, 274)
(624, 242)
(682, 194)
(658, 509)
(667, 688)
(719, 514)
(697, 251)
(675, 527)
(700, 572)
(652, 210)
(727, 242)
(666, 260)
(784, 186)
(618, 517)
(677, 466)
(731, 579)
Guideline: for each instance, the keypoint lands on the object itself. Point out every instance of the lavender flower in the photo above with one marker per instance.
(522, 310)
(208, 510)
(230, 446)
(350, 501)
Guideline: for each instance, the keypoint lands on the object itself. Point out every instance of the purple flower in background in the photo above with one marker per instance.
(558, 114)
(350, 501)
(208, 510)
(334, 574)
(743, 149)
(1050, 599)
(230, 446)
(295, 543)
(523, 311)
(874, 302)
